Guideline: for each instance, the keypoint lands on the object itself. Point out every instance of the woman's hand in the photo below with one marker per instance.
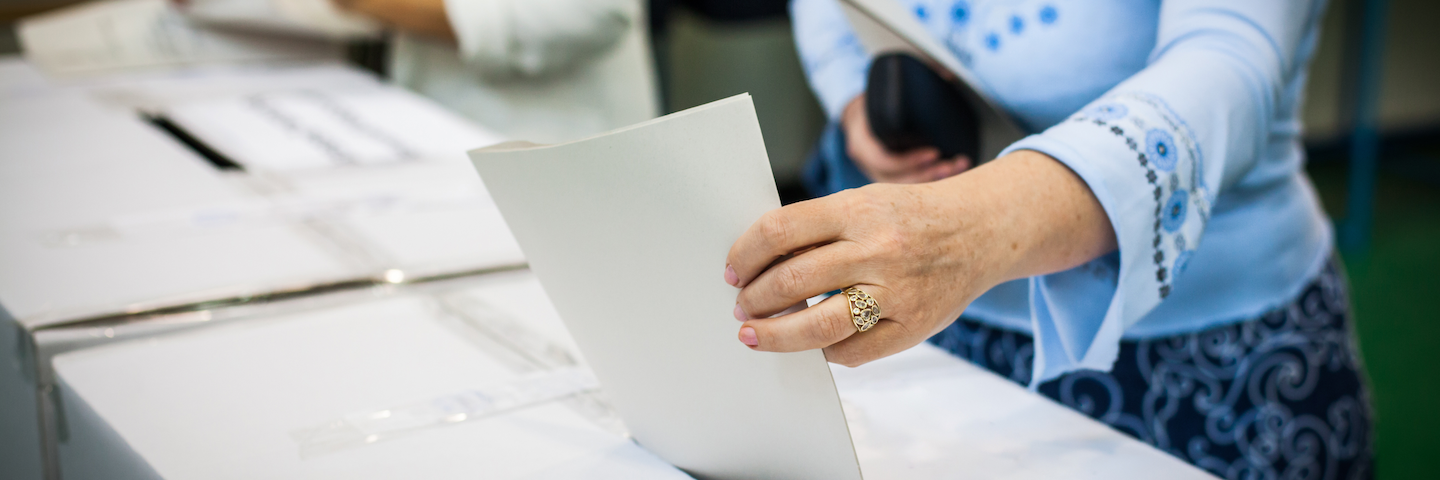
(424, 17)
(880, 165)
(924, 252)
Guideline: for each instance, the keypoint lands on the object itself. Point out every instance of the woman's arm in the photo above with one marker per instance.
(1152, 154)
(424, 17)
(923, 251)
(512, 38)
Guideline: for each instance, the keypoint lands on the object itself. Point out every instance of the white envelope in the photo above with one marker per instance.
(628, 233)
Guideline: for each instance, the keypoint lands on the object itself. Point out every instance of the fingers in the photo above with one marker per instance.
(884, 339)
(819, 326)
(946, 169)
(806, 275)
(782, 232)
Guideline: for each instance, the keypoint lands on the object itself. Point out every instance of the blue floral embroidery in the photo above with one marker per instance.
(922, 12)
(960, 13)
(1048, 14)
(992, 41)
(1181, 261)
(1016, 24)
(1108, 112)
(1174, 214)
(1160, 147)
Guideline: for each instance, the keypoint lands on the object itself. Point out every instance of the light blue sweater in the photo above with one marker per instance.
(1183, 118)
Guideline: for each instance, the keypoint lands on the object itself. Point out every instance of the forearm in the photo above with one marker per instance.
(1027, 214)
(424, 17)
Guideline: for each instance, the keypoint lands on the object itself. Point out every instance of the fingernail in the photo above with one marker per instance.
(747, 336)
(730, 276)
(740, 313)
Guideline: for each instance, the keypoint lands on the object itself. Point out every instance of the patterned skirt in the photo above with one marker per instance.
(1282, 396)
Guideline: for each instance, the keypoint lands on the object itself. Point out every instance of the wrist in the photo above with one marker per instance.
(1026, 214)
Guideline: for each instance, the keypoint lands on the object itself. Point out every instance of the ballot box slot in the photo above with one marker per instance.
(216, 159)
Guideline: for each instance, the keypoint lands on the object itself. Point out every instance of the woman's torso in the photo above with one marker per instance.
(1044, 60)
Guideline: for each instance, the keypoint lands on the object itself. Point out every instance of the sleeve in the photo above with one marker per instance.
(528, 38)
(835, 62)
(1156, 150)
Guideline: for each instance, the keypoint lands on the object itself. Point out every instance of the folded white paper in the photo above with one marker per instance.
(884, 26)
(628, 233)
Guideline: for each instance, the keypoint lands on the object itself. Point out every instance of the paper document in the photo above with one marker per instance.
(628, 233)
(129, 34)
(317, 18)
(884, 26)
(303, 129)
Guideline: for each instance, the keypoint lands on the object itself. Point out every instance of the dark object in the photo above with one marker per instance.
(910, 106)
(216, 159)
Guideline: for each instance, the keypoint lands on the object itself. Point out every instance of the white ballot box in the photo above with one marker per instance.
(101, 215)
(380, 170)
(105, 213)
(363, 388)
(413, 385)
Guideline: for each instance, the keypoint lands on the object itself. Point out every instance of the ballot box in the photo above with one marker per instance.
(112, 211)
(382, 386)
(380, 171)
(101, 215)
(473, 384)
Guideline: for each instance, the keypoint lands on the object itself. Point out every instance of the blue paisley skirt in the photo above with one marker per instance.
(1282, 396)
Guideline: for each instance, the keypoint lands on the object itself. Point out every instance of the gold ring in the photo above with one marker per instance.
(863, 310)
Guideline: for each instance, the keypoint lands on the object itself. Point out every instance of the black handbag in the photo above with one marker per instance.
(909, 105)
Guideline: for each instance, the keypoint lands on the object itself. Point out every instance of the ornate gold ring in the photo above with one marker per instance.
(863, 310)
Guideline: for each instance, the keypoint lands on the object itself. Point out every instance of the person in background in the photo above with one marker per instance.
(539, 70)
(1152, 255)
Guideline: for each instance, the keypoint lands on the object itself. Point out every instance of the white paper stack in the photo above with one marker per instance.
(246, 398)
(375, 164)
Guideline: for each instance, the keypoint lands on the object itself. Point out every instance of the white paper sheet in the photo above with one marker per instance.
(129, 34)
(628, 233)
(884, 26)
(300, 129)
(317, 18)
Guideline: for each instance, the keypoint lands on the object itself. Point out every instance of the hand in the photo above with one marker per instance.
(880, 165)
(924, 252)
(425, 17)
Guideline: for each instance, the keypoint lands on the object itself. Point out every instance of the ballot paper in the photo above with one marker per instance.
(884, 26)
(628, 233)
(114, 35)
(318, 18)
(312, 128)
